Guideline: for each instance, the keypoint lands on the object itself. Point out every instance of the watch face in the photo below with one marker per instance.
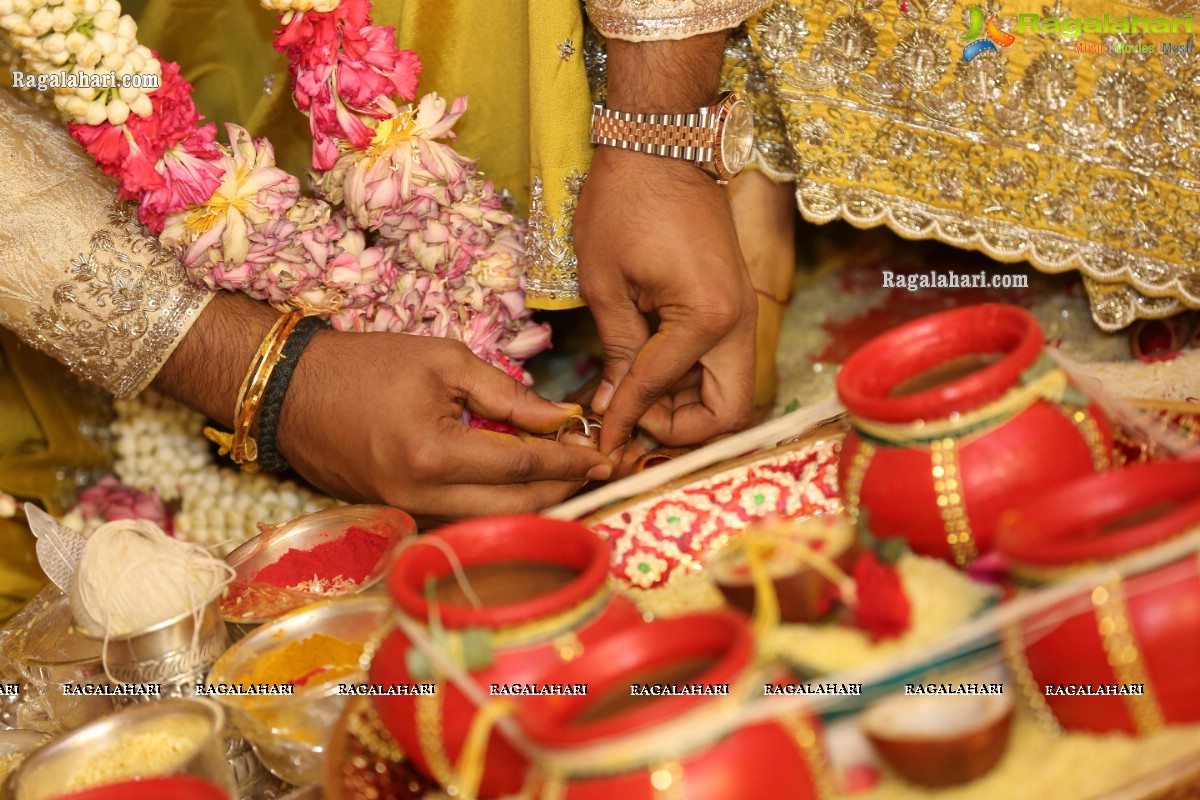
(737, 140)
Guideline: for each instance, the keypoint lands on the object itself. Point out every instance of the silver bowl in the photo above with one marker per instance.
(175, 653)
(54, 769)
(305, 533)
(48, 652)
(20, 744)
(290, 733)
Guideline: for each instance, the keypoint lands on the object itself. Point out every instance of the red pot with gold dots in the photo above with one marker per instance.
(957, 417)
(1123, 652)
(531, 592)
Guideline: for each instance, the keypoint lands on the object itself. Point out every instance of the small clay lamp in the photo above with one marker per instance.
(940, 740)
(805, 561)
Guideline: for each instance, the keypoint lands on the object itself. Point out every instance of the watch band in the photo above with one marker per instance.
(686, 136)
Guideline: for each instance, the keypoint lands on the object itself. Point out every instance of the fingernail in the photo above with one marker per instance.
(614, 457)
(569, 407)
(602, 397)
(600, 472)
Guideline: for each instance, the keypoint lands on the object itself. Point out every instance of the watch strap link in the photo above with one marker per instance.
(685, 136)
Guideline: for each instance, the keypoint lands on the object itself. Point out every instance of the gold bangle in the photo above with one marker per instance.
(238, 444)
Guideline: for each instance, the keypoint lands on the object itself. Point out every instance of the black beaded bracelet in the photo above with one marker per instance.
(269, 459)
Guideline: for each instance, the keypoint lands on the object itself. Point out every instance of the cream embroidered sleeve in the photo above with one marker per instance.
(647, 20)
(78, 277)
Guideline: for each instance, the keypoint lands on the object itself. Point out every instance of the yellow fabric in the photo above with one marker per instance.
(1071, 160)
(529, 110)
(42, 412)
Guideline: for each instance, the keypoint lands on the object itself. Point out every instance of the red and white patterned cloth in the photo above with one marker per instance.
(655, 537)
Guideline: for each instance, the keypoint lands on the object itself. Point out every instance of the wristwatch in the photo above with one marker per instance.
(718, 139)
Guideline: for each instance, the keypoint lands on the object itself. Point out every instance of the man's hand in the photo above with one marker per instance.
(375, 417)
(655, 235)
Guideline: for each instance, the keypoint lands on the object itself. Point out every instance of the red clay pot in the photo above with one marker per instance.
(748, 763)
(522, 639)
(1015, 454)
(1083, 525)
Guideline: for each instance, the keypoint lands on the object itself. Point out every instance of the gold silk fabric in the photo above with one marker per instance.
(520, 64)
(79, 280)
(1071, 160)
(647, 20)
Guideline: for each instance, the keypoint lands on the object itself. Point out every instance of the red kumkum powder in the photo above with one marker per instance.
(351, 558)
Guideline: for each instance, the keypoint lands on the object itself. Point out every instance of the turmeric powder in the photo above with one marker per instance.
(318, 659)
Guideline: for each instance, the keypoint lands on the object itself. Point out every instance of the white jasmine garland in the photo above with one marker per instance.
(283, 6)
(51, 36)
(159, 445)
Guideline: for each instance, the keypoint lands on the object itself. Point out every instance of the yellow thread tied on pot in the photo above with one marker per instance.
(766, 601)
(758, 549)
(471, 760)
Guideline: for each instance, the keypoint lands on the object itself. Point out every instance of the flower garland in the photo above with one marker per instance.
(404, 235)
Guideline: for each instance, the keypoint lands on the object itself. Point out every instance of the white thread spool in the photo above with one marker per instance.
(133, 575)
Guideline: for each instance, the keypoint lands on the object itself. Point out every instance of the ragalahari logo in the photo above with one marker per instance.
(983, 34)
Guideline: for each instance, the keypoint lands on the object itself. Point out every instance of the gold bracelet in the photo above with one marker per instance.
(238, 444)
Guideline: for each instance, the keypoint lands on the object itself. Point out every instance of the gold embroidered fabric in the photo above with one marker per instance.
(646, 20)
(79, 279)
(1070, 160)
(552, 281)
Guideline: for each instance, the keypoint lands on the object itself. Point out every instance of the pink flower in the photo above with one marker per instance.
(528, 342)
(882, 608)
(404, 161)
(190, 172)
(499, 271)
(341, 68)
(316, 33)
(371, 67)
(110, 500)
(513, 369)
(491, 425)
(361, 273)
(137, 153)
(216, 234)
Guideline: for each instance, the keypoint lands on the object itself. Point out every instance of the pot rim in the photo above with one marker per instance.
(147, 787)
(489, 540)
(875, 369)
(1003, 713)
(611, 663)
(1063, 526)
